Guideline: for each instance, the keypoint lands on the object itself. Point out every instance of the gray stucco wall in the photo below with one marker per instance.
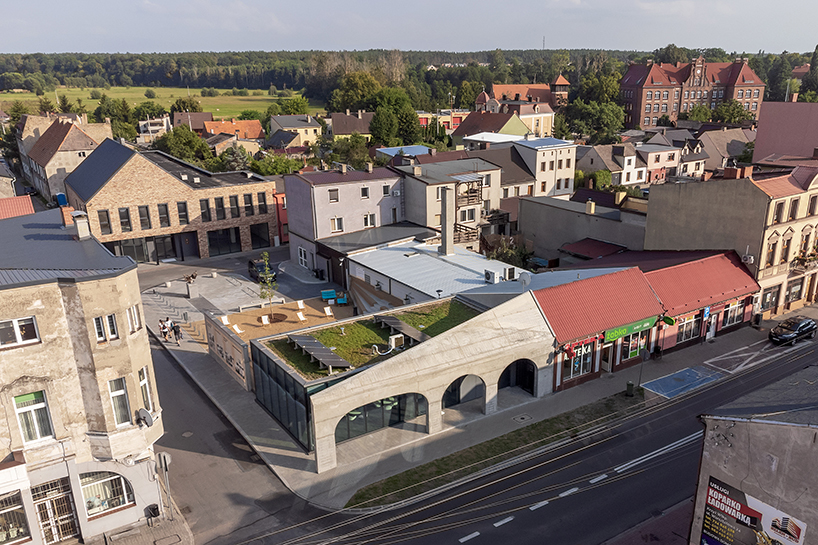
(299, 207)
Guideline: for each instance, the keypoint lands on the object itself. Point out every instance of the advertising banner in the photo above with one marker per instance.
(732, 517)
(636, 327)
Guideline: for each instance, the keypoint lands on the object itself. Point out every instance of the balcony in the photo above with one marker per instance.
(469, 197)
(465, 234)
(493, 217)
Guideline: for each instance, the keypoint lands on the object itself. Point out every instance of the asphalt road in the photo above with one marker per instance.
(227, 495)
(586, 492)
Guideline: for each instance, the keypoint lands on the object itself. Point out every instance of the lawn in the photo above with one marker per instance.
(454, 466)
(298, 361)
(221, 106)
(435, 319)
(355, 344)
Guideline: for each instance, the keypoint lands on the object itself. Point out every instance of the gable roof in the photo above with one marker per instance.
(514, 168)
(540, 92)
(561, 81)
(60, 136)
(728, 142)
(98, 168)
(337, 177)
(194, 120)
(247, 128)
(617, 299)
(481, 121)
(295, 121)
(281, 139)
(666, 74)
(11, 207)
(799, 180)
(343, 124)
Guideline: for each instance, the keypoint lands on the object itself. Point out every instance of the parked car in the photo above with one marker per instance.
(793, 329)
(30, 190)
(255, 268)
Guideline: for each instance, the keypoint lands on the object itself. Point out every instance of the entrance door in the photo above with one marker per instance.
(55, 510)
(607, 357)
(711, 330)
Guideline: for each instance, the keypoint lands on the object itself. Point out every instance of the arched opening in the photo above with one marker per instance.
(463, 389)
(519, 373)
(389, 411)
(104, 490)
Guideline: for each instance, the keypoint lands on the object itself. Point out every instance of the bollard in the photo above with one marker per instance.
(629, 390)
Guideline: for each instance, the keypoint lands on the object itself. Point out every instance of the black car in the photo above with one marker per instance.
(30, 190)
(255, 268)
(793, 329)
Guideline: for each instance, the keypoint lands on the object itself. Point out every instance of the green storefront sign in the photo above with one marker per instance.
(636, 327)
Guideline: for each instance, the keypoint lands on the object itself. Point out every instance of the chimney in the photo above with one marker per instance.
(590, 207)
(620, 196)
(360, 114)
(649, 62)
(447, 216)
(343, 169)
(347, 111)
(309, 119)
(369, 167)
(66, 215)
(732, 173)
(81, 221)
(433, 151)
(794, 97)
(417, 170)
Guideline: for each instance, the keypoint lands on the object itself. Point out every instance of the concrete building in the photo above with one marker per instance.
(150, 129)
(344, 125)
(769, 221)
(755, 484)
(660, 161)
(625, 166)
(151, 206)
(82, 408)
(305, 128)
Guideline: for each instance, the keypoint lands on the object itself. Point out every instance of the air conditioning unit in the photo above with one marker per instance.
(748, 259)
(510, 273)
(396, 192)
(492, 277)
(395, 341)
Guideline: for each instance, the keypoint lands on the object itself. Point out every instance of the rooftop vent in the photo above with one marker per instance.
(184, 177)
(196, 180)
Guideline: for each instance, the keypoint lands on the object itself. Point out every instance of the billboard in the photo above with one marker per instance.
(732, 517)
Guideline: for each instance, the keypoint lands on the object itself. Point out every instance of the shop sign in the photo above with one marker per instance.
(636, 327)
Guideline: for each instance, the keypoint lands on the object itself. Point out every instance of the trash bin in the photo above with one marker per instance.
(629, 390)
(320, 274)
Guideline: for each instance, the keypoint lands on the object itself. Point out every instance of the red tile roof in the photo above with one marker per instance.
(592, 248)
(60, 136)
(541, 92)
(248, 128)
(594, 305)
(561, 81)
(11, 207)
(688, 287)
(665, 74)
(799, 180)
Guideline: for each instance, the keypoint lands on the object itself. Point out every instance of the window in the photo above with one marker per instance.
(262, 202)
(647, 108)
(204, 204)
(793, 209)
(639, 174)
(698, 94)
(646, 121)
(530, 190)
(793, 291)
(486, 180)
(755, 93)
(144, 218)
(684, 106)
(655, 120)
(105, 327)
(746, 105)
(755, 105)
(18, 331)
(657, 158)
(145, 388)
(104, 490)
(333, 195)
(733, 314)
(219, 201)
(769, 297)
(394, 214)
(686, 95)
(551, 165)
(675, 106)
(14, 515)
(580, 364)
(104, 222)
(778, 214)
(664, 95)
(770, 260)
(181, 209)
(559, 164)
(248, 204)
(671, 156)
(655, 107)
(804, 250)
(627, 176)
(125, 220)
(302, 257)
(133, 318)
(32, 413)
(364, 192)
(164, 218)
(542, 166)
(284, 202)
(689, 328)
(568, 163)
(369, 220)
(676, 94)
(633, 344)
(439, 192)
(740, 94)
(119, 401)
(812, 201)
(712, 105)
(704, 94)
(80, 154)
(467, 215)
(559, 183)
(336, 224)
(543, 186)
(386, 189)
(649, 95)
(721, 93)
(664, 107)
(234, 206)
(505, 192)
(785, 250)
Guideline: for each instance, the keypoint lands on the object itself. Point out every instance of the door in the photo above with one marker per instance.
(607, 357)
(55, 510)
(711, 329)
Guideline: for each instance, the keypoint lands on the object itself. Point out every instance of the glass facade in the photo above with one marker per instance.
(224, 241)
(380, 414)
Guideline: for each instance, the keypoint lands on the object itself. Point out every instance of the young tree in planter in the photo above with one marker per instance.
(267, 285)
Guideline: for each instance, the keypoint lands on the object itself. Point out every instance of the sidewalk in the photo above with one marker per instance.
(376, 456)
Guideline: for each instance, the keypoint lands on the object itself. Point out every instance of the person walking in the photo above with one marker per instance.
(177, 333)
(163, 329)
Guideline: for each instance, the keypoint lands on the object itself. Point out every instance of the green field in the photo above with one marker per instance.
(221, 106)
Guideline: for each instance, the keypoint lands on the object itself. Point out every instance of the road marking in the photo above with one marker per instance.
(504, 521)
(597, 479)
(468, 537)
(538, 505)
(658, 452)
(569, 492)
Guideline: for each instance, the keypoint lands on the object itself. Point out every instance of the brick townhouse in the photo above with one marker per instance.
(152, 206)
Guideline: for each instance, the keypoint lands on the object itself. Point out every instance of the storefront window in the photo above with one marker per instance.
(633, 344)
(769, 297)
(689, 328)
(733, 313)
(793, 292)
(580, 364)
(13, 526)
(103, 490)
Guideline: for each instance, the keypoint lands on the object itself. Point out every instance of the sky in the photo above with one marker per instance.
(139, 26)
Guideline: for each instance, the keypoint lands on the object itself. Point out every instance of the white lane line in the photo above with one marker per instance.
(597, 479)
(504, 521)
(468, 537)
(538, 505)
(569, 492)
(658, 452)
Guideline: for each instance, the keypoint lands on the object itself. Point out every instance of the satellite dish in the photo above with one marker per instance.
(145, 416)
(524, 279)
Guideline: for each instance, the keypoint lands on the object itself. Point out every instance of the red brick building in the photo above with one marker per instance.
(649, 91)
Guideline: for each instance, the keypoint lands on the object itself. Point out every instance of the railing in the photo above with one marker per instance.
(470, 197)
(464, 233)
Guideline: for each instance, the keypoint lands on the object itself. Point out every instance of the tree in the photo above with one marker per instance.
(235, 158)
(664, 121)
(601, 121)
(8, 146)
(408, 126)
(184, 144)
(731, 111)
(561, 129)
(352, 151)
(274, 163)
(810, 80)
(355, 88)
(185, 104)
(393, 98)
(384, 126)
(246, 115)
(599, 87)
(601, 178)
(150, 93)
(747, 155)
(18, 109)
(148, 110)
(673, 54)
(513, 254)
(267, 284)
(699, 112)
(498, 66)
(295, 106)
(46, 106)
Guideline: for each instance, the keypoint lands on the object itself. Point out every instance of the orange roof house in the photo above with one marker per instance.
(243, 128)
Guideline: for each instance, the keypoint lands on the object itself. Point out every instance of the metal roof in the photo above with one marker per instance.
(544, 143)
(369, 238)
(99, 167)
